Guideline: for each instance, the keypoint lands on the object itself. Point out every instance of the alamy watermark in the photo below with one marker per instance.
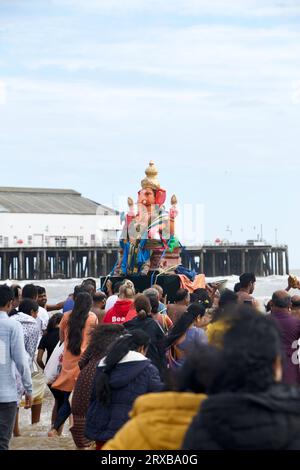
(296, 354)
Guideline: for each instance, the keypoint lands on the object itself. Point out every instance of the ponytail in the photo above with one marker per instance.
(184, 322)
(142, 314)
(142, 306)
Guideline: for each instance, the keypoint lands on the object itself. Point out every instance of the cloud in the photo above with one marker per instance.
(296, 92)
(3, 93)
(221, 61)
(45, 104)
(52, 89)
(228, 8)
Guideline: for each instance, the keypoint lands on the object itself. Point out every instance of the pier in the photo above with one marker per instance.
(54, 263)
(61, 262)
(224, 260)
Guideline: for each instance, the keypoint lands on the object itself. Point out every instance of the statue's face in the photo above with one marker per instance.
(146, 197)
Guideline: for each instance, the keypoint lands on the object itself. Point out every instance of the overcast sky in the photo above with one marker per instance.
(91, 90)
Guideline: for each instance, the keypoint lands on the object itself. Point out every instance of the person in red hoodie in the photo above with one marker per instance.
(117, 314)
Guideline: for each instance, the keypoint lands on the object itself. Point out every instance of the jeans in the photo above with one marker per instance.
(8, 413)
(63, 411)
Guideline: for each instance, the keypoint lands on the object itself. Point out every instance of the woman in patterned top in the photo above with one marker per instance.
(27, 315)
(101, 337)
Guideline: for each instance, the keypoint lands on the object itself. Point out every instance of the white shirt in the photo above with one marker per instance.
(111, 302)
(42, 320)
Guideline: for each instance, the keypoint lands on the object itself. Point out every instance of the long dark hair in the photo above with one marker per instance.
(184, 322)
(227, 305)
(250, 349)
(77, 320)
(142, 306)
(201, 296)
(154, 303)
(119, 349)
(54, 321)
(101, 337)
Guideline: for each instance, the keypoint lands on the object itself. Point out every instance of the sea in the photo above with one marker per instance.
(59, 289)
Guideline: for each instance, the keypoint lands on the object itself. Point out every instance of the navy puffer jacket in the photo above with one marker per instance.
(135, 375)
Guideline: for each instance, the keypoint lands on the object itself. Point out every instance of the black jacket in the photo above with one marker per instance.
(156, 350)
(246, 421)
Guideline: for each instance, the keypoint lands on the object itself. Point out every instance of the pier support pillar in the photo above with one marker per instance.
(44, 265)
(213, 264)
(287, 267)
(104, 264)
(38, 265)
(31, 266)
(95, 274)
(281, 263)
(228, 263)
(70, 261)
(20, 265)
(243, 262)
(276, 262)
(201, 266)
(89, 266)
(261, 264)
(56, 268)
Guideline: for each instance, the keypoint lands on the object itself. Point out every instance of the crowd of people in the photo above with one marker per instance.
(132, 372)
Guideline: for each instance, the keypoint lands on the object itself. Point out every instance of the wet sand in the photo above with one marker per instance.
(34, 437)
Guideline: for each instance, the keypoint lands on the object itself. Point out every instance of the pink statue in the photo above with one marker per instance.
(148, 240)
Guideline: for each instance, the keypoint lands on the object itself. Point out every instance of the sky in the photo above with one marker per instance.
(92, 90)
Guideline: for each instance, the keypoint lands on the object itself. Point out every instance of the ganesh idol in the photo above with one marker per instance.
(148, 241)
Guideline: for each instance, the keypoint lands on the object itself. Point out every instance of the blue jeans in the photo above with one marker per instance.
(8, 413)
